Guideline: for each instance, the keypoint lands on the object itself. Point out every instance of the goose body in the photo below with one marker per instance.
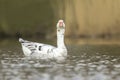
(45, 51)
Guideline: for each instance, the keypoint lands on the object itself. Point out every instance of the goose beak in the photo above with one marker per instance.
(61, 24)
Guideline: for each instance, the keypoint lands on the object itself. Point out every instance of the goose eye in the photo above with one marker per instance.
(58, 30)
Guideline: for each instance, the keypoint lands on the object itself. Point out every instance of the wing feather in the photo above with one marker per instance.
(35, 47)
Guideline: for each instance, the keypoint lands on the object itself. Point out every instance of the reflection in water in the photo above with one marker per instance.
(80, 65)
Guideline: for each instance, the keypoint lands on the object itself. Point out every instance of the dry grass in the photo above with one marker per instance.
(89, 17)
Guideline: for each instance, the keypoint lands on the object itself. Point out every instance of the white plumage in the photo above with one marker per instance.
(45, 51)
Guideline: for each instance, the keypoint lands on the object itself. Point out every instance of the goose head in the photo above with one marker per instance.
(61, 24)
(61, 27)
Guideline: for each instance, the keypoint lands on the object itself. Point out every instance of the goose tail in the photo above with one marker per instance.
(21, 40)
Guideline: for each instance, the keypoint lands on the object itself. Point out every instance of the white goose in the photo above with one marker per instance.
(45, 51)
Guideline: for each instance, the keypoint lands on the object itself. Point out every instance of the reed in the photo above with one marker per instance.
(89, 17)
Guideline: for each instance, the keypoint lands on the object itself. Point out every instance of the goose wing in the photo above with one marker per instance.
(35, 47)
(28, 46)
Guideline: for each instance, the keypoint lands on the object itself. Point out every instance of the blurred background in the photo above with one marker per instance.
(92, 39)
(85, 19)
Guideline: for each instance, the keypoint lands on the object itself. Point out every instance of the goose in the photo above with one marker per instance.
(45, 51)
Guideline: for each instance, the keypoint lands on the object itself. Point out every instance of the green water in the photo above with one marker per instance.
(84, 62)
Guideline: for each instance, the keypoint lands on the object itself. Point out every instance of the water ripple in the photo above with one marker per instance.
(82, 67)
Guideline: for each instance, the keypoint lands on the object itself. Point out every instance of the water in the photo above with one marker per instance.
(84, 62)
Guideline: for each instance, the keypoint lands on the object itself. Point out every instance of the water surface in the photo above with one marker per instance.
(84, 62)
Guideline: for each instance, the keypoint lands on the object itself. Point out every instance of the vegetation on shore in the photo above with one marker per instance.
(83, 18)
(25, 18)
(90, 18)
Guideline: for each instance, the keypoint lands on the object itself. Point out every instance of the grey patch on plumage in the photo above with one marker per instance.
(32, 50)
(36, 46)
(40, 48)
(31, 46)
(50, 50)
